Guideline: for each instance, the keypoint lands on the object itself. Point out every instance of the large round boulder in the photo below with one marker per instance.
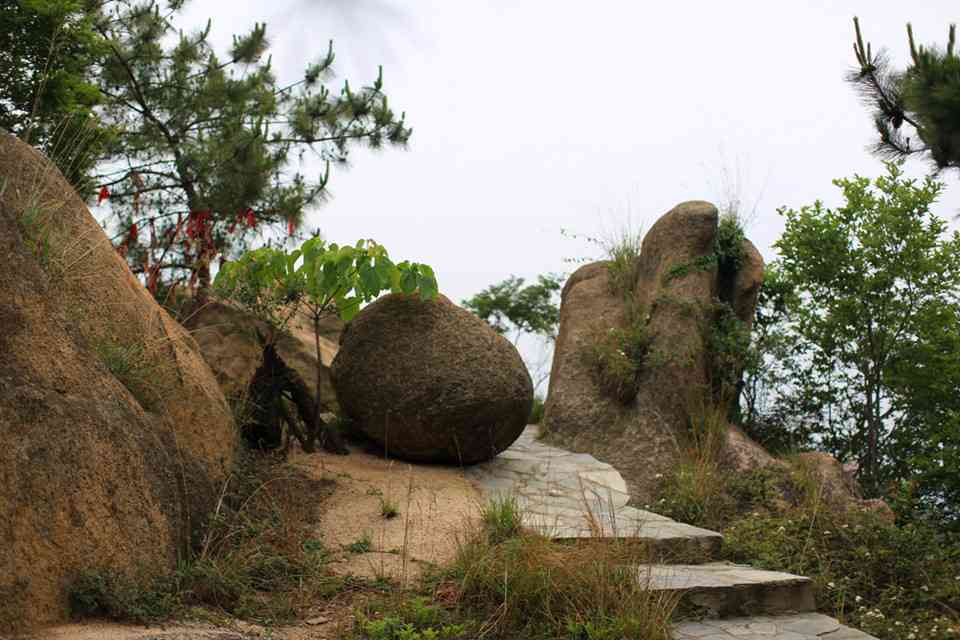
(431, 382)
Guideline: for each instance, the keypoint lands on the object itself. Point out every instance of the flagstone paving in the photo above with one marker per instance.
(568, 495)
(806, 626)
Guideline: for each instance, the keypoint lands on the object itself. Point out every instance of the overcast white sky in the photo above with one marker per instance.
(534, 115)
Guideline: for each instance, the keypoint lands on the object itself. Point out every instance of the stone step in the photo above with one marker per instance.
(668, 538)
(803, 626)
(720, 589)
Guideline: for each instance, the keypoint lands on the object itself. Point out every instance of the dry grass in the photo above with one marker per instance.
(509, 583)
(257, 559)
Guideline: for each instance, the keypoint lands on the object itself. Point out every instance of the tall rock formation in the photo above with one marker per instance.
(680, 289)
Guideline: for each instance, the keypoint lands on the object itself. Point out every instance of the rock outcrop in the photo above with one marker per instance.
(675, 295)
(228, 342)
(431, 382)
(115, 438)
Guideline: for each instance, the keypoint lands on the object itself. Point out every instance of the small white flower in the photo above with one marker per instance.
(858, 599)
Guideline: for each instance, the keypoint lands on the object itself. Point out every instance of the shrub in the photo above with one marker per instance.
(728, 244)
(894, 582)
(616, 357)
(115, 596)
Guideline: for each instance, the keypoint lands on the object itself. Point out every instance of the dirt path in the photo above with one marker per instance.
(435, 506)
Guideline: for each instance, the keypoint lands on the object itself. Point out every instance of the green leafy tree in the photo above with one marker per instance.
(515, 309)
(772, 412)
(316, 280)
(915, 110)
(48, 54)
(875, 287)
(511, 307)
(212, 152)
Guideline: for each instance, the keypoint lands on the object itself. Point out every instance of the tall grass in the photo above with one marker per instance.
(257, 558)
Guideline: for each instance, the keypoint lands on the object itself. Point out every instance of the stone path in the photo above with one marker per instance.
(568, 496)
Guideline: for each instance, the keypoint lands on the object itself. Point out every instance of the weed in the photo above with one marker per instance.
(363, 545)
(388, 508)
(414, 619)
(134, 368)
(35, 230)
(501, 518)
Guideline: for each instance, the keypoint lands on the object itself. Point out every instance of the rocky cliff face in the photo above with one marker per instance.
(115, 438)
(679, 289)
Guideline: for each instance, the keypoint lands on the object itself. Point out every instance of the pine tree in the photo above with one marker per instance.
(209, 151)
(925, 97)
(48, 53)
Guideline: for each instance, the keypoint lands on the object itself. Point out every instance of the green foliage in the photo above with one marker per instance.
(874, 309)
(617, 357)
(210, 144)
(326, 278)
(890, 580)
(728, 347)
(726, 258)
(362, 545)
(112, 595)
(623, 259)
(770, 413)
(501, 518)
(925, 96)
(511, 306)
(699, 265)
(415, 619)
(894, 582)
(728, 244)
(48, 53)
